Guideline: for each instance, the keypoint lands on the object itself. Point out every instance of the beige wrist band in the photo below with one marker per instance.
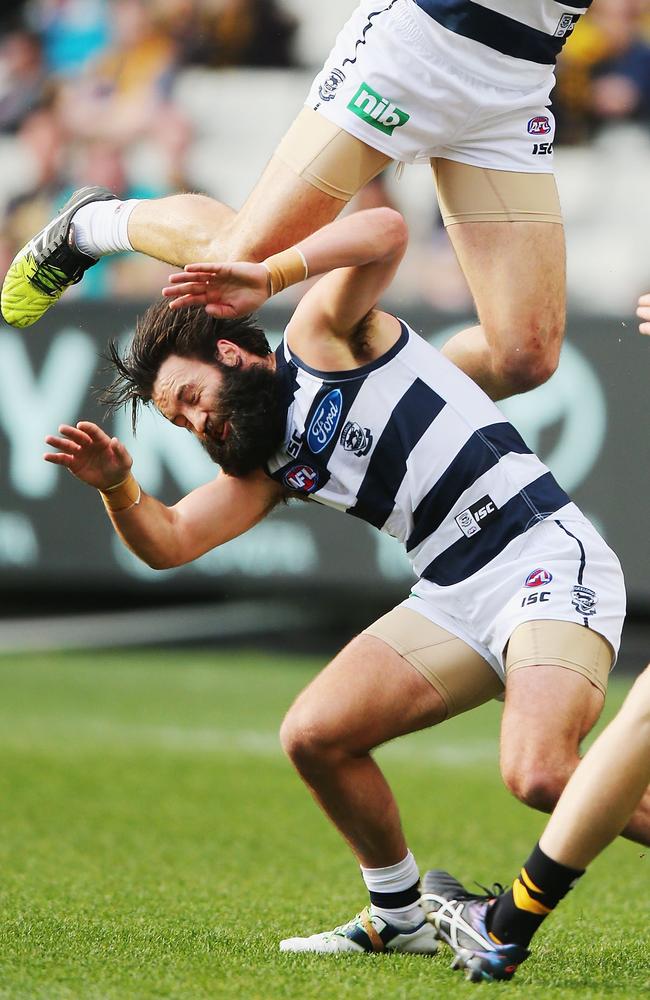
(286, 268)
(123, 495)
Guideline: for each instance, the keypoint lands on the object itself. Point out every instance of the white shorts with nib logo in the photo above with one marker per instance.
(410, 88)
(559, 570)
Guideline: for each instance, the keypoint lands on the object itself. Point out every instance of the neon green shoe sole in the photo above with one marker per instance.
(22, 302)
(44, 268)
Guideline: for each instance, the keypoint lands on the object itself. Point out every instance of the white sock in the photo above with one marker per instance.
(101, 227)
(387, 885)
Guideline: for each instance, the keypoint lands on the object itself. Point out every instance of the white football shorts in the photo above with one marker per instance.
(414, 90)
(560, 569)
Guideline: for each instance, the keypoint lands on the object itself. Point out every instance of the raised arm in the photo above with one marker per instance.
(359, 255)
(159, 535)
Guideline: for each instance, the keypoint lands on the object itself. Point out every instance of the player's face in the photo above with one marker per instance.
(236, 413)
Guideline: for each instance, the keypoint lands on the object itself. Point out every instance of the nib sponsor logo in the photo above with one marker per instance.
(376, 110)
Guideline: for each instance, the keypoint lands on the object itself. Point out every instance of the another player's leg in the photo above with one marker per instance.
(506, 230)
(314, 173)
(549, 709)
(370, 694)
(596, 806)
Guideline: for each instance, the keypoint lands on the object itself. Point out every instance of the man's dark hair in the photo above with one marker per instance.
(161, 332)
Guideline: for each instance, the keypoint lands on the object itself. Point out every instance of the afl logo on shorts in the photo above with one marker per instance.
(538, 578)
(539, 125)
(301, 478)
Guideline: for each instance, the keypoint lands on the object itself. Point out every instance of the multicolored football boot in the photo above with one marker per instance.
(458, 917)
(48, 264)
(370, 933)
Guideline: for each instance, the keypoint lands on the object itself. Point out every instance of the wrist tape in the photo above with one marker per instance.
(123, 495)
(286, 268)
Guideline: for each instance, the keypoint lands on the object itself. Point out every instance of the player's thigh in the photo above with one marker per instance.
(506, 229)
(556, 678)
(401, 675)
(315, 171)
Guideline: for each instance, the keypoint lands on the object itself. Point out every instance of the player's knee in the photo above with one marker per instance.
(307, 743)
(534, 358)
(536, 786)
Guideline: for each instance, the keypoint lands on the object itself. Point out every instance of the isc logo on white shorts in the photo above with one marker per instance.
(473, 518)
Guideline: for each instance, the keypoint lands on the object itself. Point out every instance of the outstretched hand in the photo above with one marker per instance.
(224, 290)
(89, 454)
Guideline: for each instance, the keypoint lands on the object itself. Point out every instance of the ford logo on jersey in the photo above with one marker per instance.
(540, 125)
(325, 421)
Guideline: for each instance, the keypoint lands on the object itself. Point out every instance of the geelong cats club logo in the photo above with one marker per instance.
(327, 89)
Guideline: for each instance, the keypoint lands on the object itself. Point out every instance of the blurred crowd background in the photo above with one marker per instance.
(150, 97)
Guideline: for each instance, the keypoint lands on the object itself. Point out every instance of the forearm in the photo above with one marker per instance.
(148, 528)
(357, 239)
(376, 237)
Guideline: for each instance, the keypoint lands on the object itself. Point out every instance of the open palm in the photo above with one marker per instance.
(224, 290)
(89, 454)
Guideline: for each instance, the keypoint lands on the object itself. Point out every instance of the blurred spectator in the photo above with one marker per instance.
(22, 77)
(604, 74)
(223, 33)
(124, 94)
(73, 31)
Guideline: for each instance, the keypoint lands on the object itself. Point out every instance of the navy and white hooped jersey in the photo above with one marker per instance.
(411, 445)
(534, 30)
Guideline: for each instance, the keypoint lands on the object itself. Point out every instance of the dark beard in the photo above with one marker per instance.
(252, 401)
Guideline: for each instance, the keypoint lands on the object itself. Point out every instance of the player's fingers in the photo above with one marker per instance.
(644, 328)
(58, 459)
(188, 288)
(74, 433)
(187, 300)
(63, 444)
(95, 433)
(209, 269)
(643, 312)
(644, 300)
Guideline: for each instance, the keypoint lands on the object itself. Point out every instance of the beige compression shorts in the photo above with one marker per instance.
(339, 165)
(464, 679)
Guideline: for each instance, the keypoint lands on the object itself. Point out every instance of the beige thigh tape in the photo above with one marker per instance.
(330, 159)
(561, 644)
(462, 678)
(476, 194)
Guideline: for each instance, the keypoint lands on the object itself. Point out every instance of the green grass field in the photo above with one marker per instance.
(156, 844)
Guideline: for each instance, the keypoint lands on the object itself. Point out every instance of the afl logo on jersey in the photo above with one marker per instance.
(301, 478)
(539, 125)
(325, 421)
(538, 578)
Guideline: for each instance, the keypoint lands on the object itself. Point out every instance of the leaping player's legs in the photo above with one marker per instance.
(315, 171)
(506, 230)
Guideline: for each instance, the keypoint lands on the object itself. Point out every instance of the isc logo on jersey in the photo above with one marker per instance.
(376, 110)
(474, 518)
(325, 421)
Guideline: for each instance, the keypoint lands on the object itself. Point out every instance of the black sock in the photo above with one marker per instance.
(542, 883)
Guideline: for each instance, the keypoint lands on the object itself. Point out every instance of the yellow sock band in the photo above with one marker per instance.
(524, 901)
(123, 495)
(286, 268)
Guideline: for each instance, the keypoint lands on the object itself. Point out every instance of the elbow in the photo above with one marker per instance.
(158, 560)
